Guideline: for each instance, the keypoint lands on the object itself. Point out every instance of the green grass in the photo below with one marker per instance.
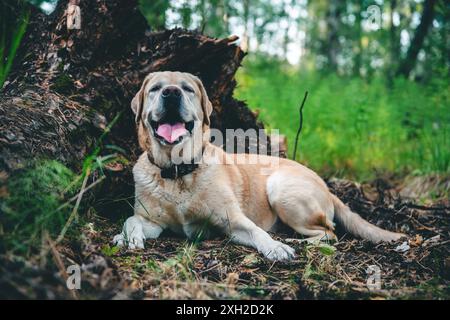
(34, 205)
(15, 35)
(353, 128)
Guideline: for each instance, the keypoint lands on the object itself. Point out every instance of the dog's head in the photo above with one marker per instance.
(170, 109)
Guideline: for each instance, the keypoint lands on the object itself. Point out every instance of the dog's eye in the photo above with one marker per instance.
(188, 89)
(155, 88)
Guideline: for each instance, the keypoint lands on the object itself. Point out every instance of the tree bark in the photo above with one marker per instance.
(407, 65)
(71, 84)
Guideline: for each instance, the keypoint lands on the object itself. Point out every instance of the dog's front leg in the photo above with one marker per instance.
(243, 231)
(135, 230)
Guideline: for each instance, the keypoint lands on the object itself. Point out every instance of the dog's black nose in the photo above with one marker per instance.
(171, 92)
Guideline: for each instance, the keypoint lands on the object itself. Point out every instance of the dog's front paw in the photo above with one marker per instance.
(119, 240)
(134, 240)
(279, 252)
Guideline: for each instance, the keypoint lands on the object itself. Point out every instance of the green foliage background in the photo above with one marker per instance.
(353, 128)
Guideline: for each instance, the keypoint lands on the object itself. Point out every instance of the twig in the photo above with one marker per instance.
(75, 209)
(300, 126)
(59, 262)
(76, 197)
(416, 206)
(210, 268)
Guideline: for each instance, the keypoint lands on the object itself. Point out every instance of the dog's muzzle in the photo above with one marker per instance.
(171, 128)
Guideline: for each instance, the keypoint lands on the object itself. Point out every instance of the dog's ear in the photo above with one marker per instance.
(138, 101)
(206, 104)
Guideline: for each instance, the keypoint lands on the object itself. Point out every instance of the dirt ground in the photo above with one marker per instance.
(174, 268)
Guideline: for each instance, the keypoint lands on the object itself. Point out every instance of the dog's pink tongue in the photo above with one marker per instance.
(171, 132)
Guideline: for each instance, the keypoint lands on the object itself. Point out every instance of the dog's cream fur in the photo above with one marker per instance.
(235, 198)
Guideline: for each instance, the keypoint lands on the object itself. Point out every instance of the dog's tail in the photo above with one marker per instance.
(360, 227)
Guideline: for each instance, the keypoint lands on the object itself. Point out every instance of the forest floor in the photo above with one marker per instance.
(174, 268)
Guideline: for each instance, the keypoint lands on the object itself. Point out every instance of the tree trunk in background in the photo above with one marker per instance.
(445, 35)
(245, 39)
(156, 16)
(226, 17)
(186, 15)
(72, 84)
(203, 17)
(358, 46)
(407, 65)
(394, 45)
(285, 43)
(333, 17)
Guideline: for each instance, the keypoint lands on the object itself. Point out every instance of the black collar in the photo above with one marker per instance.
(175, 170)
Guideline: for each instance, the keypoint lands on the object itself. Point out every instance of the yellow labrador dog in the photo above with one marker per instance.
(241, 195)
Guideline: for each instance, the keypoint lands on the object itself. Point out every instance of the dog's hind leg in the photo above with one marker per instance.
(135, 230)
(302, 205)
(317, 228)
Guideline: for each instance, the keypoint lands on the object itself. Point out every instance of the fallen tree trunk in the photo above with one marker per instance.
(70, 84)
